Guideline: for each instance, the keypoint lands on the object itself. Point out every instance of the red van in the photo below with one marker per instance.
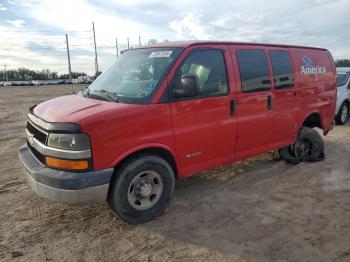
(172, 110)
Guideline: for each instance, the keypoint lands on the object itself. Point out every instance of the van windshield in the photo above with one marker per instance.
(135, 76)
(341, 79)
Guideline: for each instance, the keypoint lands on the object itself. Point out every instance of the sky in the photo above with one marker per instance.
(33, 31)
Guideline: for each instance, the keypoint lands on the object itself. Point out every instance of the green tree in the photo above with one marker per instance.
(342, 63)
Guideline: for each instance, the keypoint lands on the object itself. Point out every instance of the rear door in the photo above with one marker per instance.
(254, 114)
(284, 103)
(204, 127)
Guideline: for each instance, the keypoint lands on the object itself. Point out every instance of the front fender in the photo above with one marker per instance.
(145, 147)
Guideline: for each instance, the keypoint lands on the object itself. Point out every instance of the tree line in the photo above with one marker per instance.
(24, 74)
(342, 63)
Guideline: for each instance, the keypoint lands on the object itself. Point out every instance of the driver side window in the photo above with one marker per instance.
(209, 67)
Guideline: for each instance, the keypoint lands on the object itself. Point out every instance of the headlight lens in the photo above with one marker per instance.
(74, 142)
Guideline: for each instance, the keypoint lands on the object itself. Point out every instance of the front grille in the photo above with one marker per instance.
(36, 153)
(38, 134)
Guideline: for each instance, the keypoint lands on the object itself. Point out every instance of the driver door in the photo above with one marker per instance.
(203, 126)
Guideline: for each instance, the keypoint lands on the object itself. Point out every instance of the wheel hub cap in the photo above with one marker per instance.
(143, 188)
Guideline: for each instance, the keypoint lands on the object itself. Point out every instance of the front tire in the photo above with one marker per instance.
(343, 114)
(309, 146)
(142, 189)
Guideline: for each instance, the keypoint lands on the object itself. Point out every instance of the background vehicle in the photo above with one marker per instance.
(343, 95)
(38, 82)
(172, 110)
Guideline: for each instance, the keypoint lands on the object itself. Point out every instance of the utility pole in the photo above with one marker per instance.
(116, 46)
(69, 66)
(7, 79)
(139, 40)
(128, 44)
(96, 61)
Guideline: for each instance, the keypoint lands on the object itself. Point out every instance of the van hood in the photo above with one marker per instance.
(73, 108)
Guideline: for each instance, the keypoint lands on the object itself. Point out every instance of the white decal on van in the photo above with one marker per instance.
(161, 54)
(310, 68)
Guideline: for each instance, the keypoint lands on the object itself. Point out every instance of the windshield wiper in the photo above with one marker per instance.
(105, 95)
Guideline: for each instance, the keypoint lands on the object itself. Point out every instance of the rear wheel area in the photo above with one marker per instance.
(142, 189)
(309, 146)
(343, 114)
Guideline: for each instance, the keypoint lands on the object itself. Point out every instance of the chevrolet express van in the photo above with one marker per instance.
(172, 110)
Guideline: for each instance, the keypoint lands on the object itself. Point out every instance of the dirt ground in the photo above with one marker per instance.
(259, 210)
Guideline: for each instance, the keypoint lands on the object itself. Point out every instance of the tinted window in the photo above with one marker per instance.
(341, 79)
(282, 69)
(209, 66)
(254, 70)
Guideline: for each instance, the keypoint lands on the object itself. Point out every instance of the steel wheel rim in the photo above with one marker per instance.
(302, 148)
(145, 190)
(344, 113)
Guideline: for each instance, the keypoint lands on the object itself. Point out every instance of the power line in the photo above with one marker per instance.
(44, 37)
(44, 31)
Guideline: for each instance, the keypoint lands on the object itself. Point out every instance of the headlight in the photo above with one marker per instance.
(75, 142)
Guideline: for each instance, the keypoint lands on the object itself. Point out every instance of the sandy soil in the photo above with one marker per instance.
(260, 210)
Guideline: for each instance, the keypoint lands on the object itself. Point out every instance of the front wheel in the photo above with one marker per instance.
(343, 114)
(309, 146)
(142, 189)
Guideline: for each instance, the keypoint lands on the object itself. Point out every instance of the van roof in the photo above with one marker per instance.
(185, 44)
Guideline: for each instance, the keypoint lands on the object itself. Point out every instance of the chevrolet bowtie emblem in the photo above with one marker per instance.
(31, 139)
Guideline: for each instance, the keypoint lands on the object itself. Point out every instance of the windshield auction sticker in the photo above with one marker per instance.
(161, 54)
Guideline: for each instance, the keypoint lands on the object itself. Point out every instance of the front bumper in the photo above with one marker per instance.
(63, 186)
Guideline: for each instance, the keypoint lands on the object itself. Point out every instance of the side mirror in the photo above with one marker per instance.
(188, 88)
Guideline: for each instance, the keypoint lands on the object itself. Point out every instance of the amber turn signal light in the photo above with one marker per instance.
(67, 164)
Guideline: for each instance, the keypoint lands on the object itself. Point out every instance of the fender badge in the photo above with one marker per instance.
(31, 139)
(194, 154)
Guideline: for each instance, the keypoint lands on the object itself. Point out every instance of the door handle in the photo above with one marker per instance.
(232, 107)
(269, 102)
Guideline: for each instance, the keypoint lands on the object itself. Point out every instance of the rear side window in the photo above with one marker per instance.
(254, 71)
(282, 69)
(342, 78)
(209, 66)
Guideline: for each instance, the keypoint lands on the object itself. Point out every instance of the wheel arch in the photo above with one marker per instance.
(154, 149)
(313, 120)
